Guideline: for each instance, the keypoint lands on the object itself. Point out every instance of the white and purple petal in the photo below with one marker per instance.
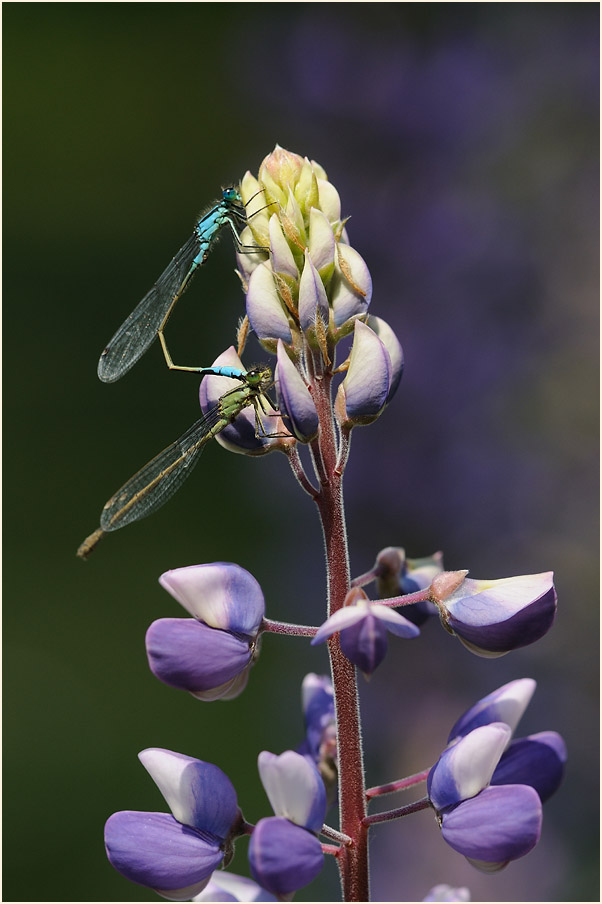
(506, 704)
(330, 202)
(189, 655)
(393, 621)
(346, 301)
(155, 850)
(312, 295)
(538, 760)
(199, 794)
(283, 857)
(321, 244)
(365, 643)
(265, 310)
(294, 399)
(393, 346)
(493, 617)
(294, 788)
(283, 261)
(498, 825)
(342, 618)
(465, 768)
(221, 594)
(363, 392)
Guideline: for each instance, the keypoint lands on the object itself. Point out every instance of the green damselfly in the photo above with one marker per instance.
(158, 480)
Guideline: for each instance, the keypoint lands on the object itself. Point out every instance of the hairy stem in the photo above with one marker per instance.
(352, 858)
(278, 627)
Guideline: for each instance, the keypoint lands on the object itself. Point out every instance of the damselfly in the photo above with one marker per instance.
(158, 480)
(149, 318)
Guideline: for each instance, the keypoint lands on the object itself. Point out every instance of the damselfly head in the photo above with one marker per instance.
(231, 195)
(259, 377)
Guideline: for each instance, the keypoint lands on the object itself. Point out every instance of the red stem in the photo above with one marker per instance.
(353, 858)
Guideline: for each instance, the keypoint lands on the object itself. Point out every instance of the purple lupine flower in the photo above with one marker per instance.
(284, 852)
(492, 829)
(493, 617)
(490, 826)
(294, 399)
(265, 310)
(447, 893)
(224, 886)
(363, 626)
(241, 434)
(175, 855)
(395, 575)
(211, 654)
(364, 392)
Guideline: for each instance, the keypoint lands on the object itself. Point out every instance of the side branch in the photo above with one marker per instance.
(277, 627)
(421, 804)
(400, 785)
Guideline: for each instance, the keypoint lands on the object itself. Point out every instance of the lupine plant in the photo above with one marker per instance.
(337, 367)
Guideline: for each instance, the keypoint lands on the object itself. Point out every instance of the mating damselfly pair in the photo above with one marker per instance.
(158, 480)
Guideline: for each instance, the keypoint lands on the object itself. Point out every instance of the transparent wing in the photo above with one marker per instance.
(158, 480)
(139, 330)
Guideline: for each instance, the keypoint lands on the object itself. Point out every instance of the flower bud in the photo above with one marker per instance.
(312, 297)
(294, 399)
(363, 626)
(321, 245)
(493, 617)
(363, 393)
(393, 346)
(265, 310)
(351, 287)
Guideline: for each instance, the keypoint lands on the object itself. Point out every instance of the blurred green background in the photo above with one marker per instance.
(463, 140)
